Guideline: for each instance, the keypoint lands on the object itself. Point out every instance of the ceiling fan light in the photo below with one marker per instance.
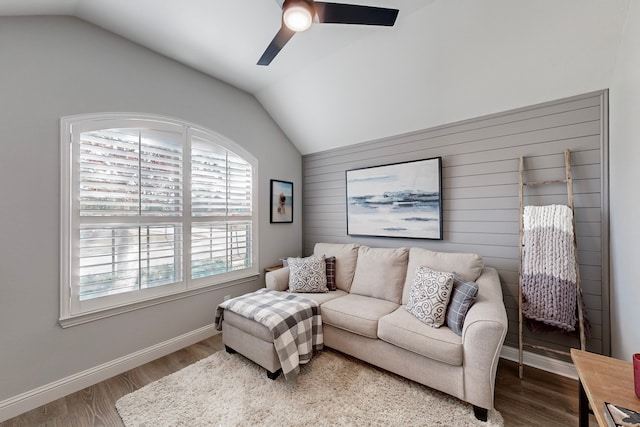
(297, 16)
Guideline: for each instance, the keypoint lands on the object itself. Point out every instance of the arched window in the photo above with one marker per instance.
(151, 208)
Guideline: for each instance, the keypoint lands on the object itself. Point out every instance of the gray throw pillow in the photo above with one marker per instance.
(430, 295)
(462, 298)
(307, 274)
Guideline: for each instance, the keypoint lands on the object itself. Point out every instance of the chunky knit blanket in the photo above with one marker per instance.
(549, 268)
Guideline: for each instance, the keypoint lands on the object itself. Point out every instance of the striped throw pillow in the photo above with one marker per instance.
(462, 298)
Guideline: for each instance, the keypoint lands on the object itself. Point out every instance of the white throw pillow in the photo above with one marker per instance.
(430, 295)
(307, 274)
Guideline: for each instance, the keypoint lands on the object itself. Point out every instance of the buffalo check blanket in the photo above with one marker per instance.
(294, 321)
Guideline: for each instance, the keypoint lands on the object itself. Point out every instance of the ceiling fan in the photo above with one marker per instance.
(297, 15)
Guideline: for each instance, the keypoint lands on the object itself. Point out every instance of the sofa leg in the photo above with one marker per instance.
(274, 375)
(229, 349)
(480, 413)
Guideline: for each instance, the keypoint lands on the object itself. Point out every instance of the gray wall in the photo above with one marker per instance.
(480, 193)
(625, 203)
(58, 66)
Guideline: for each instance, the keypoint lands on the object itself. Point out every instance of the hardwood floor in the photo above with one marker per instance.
(541, 399)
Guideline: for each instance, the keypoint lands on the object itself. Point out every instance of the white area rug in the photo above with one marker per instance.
(332, 390)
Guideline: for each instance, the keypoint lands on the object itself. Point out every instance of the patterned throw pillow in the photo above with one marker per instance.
(429, 295)
(307, 274)
(462, 298)
(331, 272)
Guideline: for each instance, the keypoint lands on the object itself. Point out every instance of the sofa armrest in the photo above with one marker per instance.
(278, 280)
(483, 333)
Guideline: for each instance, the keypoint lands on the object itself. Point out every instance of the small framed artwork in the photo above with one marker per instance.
(396, 200)
(281, 201)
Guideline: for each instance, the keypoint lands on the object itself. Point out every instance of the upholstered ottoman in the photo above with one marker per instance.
(277, 330)
(251, 339)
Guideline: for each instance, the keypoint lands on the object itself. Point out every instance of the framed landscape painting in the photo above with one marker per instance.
(281, 201)
(396, 200)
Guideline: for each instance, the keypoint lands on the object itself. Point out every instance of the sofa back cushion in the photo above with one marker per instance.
(346, 257)
(380, 273)
(467, 266)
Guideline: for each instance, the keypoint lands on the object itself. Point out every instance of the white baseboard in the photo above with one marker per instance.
(32, 399)
(545, 363)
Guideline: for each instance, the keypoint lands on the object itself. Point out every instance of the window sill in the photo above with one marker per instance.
(80, 319)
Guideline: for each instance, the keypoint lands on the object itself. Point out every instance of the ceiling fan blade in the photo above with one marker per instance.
(338, 13)
(278, 42)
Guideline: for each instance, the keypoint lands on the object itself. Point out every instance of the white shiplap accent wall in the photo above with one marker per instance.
(480, 193)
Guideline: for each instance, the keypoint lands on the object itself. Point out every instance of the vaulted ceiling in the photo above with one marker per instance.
(337, 85)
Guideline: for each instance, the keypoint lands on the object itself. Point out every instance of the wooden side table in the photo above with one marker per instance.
(272, 268)
(603, 379)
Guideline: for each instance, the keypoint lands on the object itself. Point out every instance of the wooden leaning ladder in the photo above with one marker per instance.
(569, 182)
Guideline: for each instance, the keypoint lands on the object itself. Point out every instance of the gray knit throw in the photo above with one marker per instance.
(549, 269)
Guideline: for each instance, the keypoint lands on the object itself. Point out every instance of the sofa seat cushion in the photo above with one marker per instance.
(356, 313)
(321, 298)
(402, 329)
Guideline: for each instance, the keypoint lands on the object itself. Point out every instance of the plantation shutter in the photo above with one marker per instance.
(240, 196)
(221, 184)
(208, 179)
(239, 186)
(135, 174)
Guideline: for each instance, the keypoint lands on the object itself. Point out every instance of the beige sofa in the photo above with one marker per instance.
(366, 318)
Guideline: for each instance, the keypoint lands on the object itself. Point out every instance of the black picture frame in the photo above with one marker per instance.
(401, 200)
(281, 201)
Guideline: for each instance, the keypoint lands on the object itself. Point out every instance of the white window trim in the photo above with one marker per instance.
(166, 293)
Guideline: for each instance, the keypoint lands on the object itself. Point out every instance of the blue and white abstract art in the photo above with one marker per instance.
(396, 200)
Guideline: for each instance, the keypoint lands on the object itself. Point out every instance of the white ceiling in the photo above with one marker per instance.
(336, 85)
